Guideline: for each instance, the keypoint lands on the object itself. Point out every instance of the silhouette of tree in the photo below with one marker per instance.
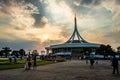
(35, 52)
(105, 50)
(15, 52)
(118, 51)
(101, 50)
(22, 52)
(1, 53)
(6, 50)
(109, 50)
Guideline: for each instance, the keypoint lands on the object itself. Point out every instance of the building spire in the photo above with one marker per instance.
(76, 33)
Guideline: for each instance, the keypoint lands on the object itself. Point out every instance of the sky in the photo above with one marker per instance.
(35, 24)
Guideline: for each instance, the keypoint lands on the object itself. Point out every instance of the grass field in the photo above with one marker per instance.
(5, 64)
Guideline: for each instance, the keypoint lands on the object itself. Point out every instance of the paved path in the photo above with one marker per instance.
(70, 70)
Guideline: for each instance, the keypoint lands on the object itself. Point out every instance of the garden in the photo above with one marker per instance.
(6, 64)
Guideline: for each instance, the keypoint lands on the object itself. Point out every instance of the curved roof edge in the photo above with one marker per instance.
(75, 45)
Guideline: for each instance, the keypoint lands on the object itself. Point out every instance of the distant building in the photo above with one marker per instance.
(75, 48)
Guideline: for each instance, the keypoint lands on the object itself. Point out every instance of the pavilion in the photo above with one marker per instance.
(73, 47)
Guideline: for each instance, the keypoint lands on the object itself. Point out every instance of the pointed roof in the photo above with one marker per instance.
(76, 33)
(72, 43)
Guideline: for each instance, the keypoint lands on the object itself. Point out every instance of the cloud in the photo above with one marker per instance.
(90, 2)
(52, 33)
(18, 44)
(111, 38)
(58, 11)
(117, 1)
(4, 21)
(41, 21)
(45, 22)
(12, 34)
(35, 35)
(87, 2)
(97, 37)
(41, 5)
(19, 13)
(22, 15)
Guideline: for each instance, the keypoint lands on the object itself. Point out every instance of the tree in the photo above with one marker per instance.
(1, 53)
(101, 50)
(22, 52)
(6, 50)
(118, 50)
(105, 50)
(109, 50)
(35, 52)
(15, 53)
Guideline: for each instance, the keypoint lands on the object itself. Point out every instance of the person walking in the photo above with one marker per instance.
(115, 64)
(10, 59)
(87, 59)
(34, 61)
(28, 63)
(15, 59)
(92, 60)
(91, 63)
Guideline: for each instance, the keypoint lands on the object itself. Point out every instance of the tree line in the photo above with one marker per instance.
(7, 51)
(107, 50)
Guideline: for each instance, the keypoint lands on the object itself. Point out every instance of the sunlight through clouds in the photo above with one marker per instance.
(22, 16)
(45, 22)
(59, 11)
(47, 33)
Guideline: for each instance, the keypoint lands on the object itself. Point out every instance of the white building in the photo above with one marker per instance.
(73, 47)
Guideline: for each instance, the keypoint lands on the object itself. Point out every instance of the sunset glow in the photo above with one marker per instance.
(36, 24)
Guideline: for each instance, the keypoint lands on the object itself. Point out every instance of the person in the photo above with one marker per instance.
(86, 59)
(115, 64)
(91, 62)
(26, 64)
(96, 61)
(29, 61)
(34, 62)
(10, 59)
(15, 59)
(92, 59)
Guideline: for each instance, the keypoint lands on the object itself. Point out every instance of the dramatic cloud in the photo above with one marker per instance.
(19, 12)
(117, 1)
(58, 11)
(34, 24)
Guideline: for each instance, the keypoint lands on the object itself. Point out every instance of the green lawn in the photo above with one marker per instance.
(5, 64)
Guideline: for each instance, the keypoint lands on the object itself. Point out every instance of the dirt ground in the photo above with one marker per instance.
(69, 70)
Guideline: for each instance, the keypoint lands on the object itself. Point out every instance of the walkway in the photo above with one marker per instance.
(70, 70)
